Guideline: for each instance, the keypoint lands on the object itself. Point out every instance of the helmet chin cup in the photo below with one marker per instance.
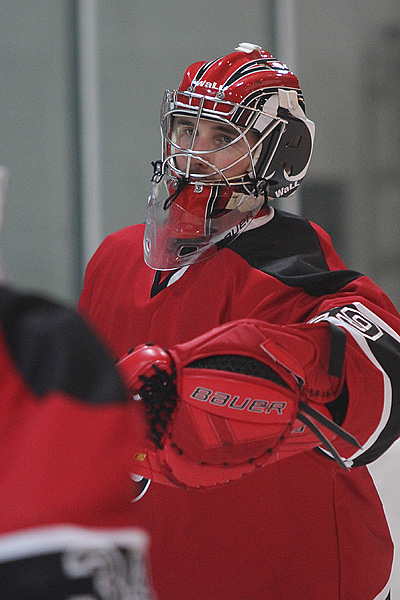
(200, 220)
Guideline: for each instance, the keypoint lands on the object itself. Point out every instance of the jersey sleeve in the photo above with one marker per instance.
(369, 403)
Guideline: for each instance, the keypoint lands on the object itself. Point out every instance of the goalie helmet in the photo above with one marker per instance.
(234, 135)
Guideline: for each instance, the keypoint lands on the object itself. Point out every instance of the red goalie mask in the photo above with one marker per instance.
(234, 135)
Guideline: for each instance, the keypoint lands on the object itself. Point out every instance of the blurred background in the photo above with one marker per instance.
(81, 86)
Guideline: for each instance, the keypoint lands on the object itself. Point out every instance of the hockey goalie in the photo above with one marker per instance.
(264, 372)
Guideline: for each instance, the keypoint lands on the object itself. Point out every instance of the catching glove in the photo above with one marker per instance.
(223, 405)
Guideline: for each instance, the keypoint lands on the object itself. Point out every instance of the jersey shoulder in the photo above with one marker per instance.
(53, 349)
(122, 249)
(126, 239)
(295, 251)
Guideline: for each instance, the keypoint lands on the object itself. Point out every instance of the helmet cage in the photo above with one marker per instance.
(238, 117)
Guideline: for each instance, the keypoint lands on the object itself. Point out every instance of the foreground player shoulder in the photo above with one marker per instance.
(53, 349)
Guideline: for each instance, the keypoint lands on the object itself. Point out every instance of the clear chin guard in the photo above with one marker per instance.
(188, 222)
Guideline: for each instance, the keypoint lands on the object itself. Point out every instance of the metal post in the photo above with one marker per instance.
(89, 127)
(4, 175)
(286, 51)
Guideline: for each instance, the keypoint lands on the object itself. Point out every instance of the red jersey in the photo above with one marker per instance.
(300, 528)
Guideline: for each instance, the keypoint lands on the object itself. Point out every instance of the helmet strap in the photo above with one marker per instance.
(182, 182)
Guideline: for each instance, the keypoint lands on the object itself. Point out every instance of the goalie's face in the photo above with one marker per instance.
(205, 148)
(198, 205)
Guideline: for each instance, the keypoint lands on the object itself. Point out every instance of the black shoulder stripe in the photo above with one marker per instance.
(288, 248)
(54, 350)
